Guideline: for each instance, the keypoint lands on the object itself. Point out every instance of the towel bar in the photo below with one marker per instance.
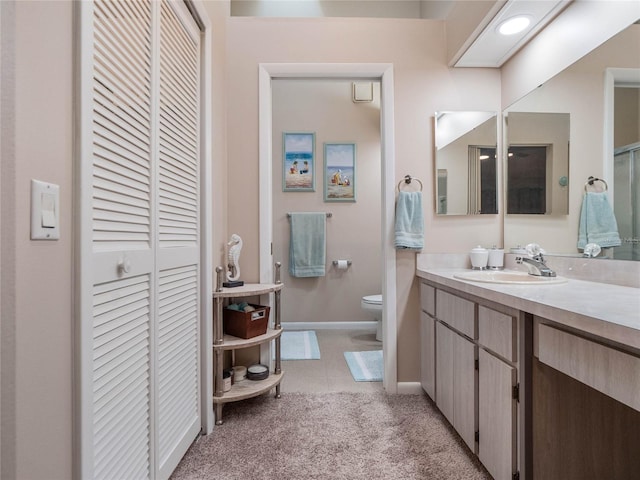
(329, 215)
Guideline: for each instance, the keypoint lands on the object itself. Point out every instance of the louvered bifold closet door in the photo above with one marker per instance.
(122, 225)
(139, 207)
(178, 234)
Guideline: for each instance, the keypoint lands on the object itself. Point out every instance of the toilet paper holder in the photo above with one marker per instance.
(335, 263)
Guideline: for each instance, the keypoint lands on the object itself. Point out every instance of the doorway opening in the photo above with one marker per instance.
(373, 72)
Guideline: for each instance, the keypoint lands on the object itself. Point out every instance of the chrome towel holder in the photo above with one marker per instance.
(407, 180)
(591, 180)
(329, 215)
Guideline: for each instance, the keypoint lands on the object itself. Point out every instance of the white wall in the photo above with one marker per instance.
(354, 231)
(423, 85)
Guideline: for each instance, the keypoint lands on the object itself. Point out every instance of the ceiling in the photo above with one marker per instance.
(486, 47)
(426, 9)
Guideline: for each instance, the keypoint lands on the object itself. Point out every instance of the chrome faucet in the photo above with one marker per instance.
(536, 265)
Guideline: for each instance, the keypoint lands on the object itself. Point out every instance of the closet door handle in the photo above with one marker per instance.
(124, 266)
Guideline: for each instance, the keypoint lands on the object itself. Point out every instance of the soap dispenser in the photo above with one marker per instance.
(479, 258)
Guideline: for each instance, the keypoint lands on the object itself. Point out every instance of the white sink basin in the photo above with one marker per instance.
(497, 276)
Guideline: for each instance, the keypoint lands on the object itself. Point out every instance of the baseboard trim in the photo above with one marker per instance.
(329, 325)
(410, 388)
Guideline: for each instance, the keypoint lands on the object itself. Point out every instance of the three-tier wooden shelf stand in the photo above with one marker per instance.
(221, 342)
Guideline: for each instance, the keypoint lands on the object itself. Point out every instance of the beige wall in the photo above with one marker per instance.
(218, 12)
(423, 85)
(37, 333)
(353, 232)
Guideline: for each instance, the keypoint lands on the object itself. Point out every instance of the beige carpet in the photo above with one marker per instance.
(349, 436)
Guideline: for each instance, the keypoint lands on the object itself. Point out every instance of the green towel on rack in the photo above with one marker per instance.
(597, 222)
(409, 221)
(307, 245)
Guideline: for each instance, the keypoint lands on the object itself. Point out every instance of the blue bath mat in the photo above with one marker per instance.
(365, 366)
(299, 346)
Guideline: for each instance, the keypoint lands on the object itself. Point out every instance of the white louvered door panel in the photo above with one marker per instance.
(139, 238)
(123, 270)
(178, 245)
(121, 379)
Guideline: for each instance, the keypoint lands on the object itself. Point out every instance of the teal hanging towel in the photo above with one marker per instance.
(409, 221)
(307, 245)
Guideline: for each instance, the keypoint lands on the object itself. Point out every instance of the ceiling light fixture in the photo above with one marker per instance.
(514, 25)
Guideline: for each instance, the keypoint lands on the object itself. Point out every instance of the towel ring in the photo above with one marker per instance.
(592, 180)
(408, 179)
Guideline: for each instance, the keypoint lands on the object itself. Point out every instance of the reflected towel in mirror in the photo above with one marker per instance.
(597, 222)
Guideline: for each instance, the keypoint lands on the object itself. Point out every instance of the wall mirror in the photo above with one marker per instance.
(465, 166)
(601, 123)
(537, 163)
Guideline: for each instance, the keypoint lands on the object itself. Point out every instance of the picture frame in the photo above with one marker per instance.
(339, 172)
(298, 162)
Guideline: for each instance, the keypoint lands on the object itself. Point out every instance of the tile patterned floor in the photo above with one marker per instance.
(331, 373)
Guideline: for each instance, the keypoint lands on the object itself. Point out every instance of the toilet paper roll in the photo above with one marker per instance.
(342, 264)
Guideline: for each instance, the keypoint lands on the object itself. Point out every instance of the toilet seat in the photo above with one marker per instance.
(372, 299)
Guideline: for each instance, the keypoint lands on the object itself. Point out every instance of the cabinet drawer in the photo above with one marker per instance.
(457, 312)
(428, 299)
(610, 371)
(497, 332)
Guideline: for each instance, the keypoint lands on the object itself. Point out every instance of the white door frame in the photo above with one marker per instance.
(629, 77)
(367, 71)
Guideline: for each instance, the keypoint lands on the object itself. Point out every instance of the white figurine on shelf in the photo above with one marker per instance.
(235, 245)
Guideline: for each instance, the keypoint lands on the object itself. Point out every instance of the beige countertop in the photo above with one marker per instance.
(608, 311)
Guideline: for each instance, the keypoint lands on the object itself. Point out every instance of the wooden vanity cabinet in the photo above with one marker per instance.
(456, 380)
(498, 390)
(586, 405)
(428, 340)
(476, 373)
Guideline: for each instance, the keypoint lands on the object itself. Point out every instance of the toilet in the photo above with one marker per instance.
(373, 305)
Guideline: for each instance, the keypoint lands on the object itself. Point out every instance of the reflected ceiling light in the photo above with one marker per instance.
(514, 25)
(483, 157)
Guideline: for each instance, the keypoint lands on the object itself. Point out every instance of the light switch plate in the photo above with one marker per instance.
(45, 211)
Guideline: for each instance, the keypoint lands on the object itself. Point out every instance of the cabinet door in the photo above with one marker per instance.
(444, 370)
(428, 354)
(464, 389)
(456, 312)
(497, 414)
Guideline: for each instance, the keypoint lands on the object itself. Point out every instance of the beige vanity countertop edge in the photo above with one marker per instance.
(608, 311)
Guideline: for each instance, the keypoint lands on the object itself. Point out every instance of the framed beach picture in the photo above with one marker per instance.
(298, 166)
(339, 172)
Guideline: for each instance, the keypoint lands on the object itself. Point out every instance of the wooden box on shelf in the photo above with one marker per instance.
(246, 324)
